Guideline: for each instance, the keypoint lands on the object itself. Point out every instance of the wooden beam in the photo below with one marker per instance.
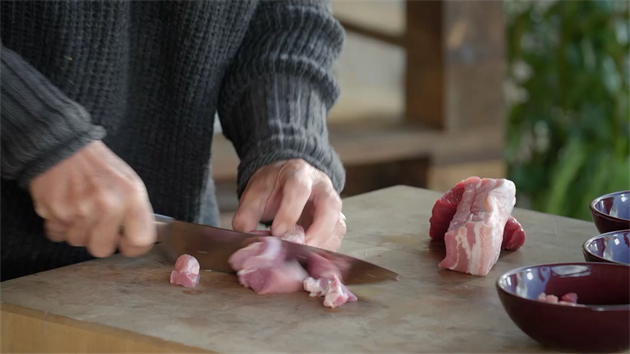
(425, 73)
(455, 64)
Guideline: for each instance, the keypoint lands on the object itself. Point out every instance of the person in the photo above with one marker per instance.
(108, 111)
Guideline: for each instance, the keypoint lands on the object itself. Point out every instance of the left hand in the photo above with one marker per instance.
(291, 192)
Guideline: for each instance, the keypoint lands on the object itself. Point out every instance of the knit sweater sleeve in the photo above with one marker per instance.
(40, 125)
(279, 89)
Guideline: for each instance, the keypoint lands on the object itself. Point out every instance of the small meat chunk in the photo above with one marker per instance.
(285, 278)
(262, 266)
(331, 288)
(569, 299)
(186, 272)
(264, 254)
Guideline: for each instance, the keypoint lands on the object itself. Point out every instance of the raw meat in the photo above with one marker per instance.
(285, 278)
(569, 299)
(331, 288)
(474, 237)
(445, 208)
(186, 272)
(325, 280)
(263, 254)
(262, 267)
(513, 235)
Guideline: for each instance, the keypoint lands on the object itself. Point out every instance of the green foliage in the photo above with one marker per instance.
(569, 121)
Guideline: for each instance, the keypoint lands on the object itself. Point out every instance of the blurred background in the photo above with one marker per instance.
(437, 91)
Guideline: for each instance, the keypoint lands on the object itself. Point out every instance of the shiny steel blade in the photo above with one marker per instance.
(212, 247)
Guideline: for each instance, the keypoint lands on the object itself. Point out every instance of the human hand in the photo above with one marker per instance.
(95, 199)
(291, 192)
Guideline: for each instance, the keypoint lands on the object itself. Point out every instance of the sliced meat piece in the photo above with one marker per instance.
(445, 208)
(286, 278)
(187, 263)
(186, 272)
(263, 254)
(513, 235)
(185, 279)
(570, 297)
(552, 299)
(473, 240)
(335, 293)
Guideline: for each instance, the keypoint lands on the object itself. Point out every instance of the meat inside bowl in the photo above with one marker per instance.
(612, 247)
(611, 212)
(599, 323)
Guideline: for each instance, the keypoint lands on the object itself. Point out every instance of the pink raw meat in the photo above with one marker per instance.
(286, 278)
(331, 288)
(186, 272)
(262, 267)
(474, 237)
(569, 299)
(264, 254)
(445, 208)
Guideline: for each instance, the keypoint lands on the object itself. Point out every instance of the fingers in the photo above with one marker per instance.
(55, 230)
(139, 229)
(88, 198)
(296, 192)
(250, 210)
(326, 211)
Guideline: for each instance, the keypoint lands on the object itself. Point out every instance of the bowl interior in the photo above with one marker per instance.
(613, 246)
(594, 283)
(615, 205)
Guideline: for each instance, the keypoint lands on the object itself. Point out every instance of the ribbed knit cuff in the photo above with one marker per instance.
(40, 125)
(282, 118)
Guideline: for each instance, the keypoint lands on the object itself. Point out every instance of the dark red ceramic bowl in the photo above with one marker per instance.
(602, 324)
(611, 212)
(611, 247)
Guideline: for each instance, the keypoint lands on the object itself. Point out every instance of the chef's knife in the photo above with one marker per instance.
(213, 246)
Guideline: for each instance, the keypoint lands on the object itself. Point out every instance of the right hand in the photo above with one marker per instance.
(94, 199)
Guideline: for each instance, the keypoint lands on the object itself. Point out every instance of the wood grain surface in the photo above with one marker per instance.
(428, 310)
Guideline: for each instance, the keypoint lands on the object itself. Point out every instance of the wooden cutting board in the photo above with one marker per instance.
(128, 305)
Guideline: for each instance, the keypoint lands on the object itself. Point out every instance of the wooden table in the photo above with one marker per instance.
(127, 305)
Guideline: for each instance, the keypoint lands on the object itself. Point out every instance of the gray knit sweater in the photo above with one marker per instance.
(147, 77)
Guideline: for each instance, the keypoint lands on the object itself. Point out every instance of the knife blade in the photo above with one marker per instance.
(213, 246)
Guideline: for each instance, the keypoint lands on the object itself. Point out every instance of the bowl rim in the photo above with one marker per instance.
(607, 234)
(601, 214)
(598, 308)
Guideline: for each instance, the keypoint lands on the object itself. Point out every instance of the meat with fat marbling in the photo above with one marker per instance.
(445, 208)
(474, 237)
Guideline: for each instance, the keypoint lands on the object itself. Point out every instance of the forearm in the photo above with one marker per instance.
(277, 95)
(40, 125)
